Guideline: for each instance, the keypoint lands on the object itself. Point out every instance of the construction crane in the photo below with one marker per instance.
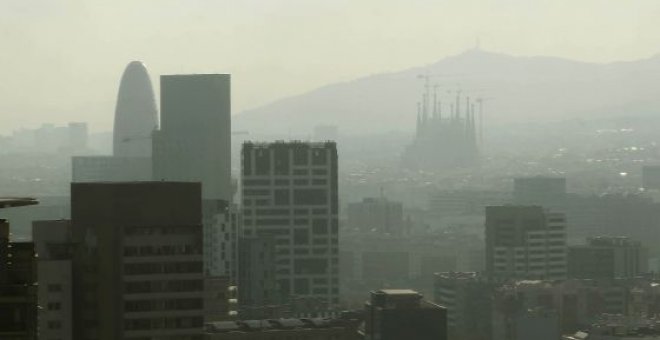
(427, 89)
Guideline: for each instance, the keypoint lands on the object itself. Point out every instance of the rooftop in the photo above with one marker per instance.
(10, 202)
(269, 324)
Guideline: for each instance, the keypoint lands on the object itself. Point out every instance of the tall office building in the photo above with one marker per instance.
(138, 260)
(525, 242)
(607, 258)
(136, 119)
(136, 115)
(194, 140)
(289, 190)
(396, 314)
(54, 247)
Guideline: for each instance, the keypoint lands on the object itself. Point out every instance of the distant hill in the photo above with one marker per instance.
(523, 89)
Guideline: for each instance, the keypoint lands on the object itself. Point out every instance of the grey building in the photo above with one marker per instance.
(222, 226)
(194, 140)
(525, 242)
(607, 258)
(395, 314)
(376, 214)
(289, 190)
(258, 293)
(138, 260)
(467, 297)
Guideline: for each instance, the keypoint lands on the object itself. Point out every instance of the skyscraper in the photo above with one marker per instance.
(289, 190)
(138, 263)
(136, 115)
(136, 119)
(525, 242)
(194, 141)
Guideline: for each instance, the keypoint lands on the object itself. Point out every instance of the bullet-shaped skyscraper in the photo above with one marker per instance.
(136, 119)
(194, 141)
(136, 115)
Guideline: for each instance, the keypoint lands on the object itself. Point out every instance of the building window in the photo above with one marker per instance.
(310, 197)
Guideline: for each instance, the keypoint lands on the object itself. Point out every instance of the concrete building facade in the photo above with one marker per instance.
(258, 293)
(525, 242)
(138, 261)
(194, 140)
(289, 190)
(606, 257)
(467, 298)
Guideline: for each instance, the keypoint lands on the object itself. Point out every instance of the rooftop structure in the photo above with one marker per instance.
(11, 202)
(394, 314)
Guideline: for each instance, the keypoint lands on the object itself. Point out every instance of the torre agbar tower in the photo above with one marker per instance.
(136, 115)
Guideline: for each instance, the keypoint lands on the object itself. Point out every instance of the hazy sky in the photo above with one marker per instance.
(61, 60)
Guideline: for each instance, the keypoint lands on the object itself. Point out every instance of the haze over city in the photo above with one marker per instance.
(69, 54)
(329, 170)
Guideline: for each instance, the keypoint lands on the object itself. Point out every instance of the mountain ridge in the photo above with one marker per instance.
(521, 87)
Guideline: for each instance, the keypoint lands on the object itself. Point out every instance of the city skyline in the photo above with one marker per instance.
(481, 196)
(458, 26)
